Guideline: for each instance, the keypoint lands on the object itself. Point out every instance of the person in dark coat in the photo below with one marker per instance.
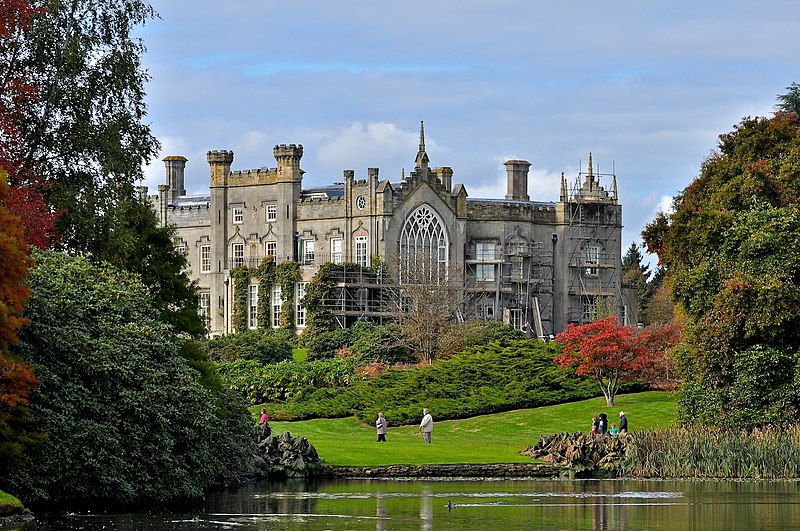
(602, 424)
(623, 422)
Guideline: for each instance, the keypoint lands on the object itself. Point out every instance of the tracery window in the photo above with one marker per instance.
(424, 245)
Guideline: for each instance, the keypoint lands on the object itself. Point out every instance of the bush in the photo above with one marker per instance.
(131, 411)
(491, 378)
(263, 346)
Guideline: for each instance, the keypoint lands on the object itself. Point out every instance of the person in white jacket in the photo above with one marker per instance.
(426, 426)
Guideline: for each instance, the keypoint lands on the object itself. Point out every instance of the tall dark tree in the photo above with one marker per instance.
(85, 131)
(790, 102)
(636, 274)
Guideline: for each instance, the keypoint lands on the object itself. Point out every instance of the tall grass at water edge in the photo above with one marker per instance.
(694, 452)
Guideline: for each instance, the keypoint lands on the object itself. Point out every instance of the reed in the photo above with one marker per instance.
(694, 452)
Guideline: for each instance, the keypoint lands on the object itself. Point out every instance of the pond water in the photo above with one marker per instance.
(416, 504)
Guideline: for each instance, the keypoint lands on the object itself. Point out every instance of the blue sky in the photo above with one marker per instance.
(645, 85)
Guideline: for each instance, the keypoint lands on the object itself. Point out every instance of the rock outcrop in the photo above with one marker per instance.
(284, 456)
(580, 453)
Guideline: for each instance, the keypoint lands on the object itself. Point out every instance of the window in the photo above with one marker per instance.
(336, 251)
(205, 308)
(484, 272)
(589, 310)
(484, 251)
(182, 248)
(205, 259)
(272, 212)
(361, 202)
(238, 215)
(252, 306)
(277, 304)
(592, 258)
(270, 248)
(486, 310)
(300, 318)
(308, 252)
(362, 258)
(516, 267)
(423, 247)
(238, 255)
(516, 318)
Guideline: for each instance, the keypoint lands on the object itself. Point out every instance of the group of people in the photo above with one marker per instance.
(425, 426)
(600, 425)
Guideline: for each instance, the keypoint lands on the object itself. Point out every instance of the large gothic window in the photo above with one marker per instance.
(423, 247)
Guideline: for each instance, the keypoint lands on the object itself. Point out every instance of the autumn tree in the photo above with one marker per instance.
(729, 248)
(605, 350)
(16, 378)
(18, 95)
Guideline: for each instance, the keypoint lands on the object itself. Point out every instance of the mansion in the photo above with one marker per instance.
(525, 262)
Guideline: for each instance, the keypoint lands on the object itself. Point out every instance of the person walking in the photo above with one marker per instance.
(426, 426)
(381, 426)
(623, 422)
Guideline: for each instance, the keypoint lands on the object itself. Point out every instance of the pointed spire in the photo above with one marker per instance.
(590, 163)
(563, 188)
(616, 197)
(422, 157)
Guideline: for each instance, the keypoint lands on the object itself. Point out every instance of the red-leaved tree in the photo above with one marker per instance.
(605, 350)
(657, 368)
(17, 93)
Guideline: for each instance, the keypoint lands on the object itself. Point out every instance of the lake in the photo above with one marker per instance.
(484, 504)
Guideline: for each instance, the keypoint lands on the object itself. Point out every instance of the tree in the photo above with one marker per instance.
(131, 411)
(790, 102)
(17, 380)
(636, 275)
(605, 350)
(138, 244)
(84, 132)
(730, 251)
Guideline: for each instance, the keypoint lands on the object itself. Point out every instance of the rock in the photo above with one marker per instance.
(285, 456)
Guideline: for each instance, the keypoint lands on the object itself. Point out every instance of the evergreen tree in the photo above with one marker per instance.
(790, 102)
(635, 275)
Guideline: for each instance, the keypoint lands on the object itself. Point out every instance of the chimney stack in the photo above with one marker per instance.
(517, 180)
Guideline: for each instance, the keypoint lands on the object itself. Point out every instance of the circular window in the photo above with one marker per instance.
(361, 202)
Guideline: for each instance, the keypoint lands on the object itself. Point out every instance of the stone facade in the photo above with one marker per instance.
(526, 261)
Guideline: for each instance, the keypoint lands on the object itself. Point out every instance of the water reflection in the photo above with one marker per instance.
(543, 504)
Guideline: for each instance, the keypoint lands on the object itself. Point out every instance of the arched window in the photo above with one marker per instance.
(424, 246)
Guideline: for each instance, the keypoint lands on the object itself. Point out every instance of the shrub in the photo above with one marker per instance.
(129, 414)
(260, 345)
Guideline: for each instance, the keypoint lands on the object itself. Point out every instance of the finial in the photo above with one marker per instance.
(563, 187)
(590, 163)
(616, 197)
(422, 157)
(403, 174)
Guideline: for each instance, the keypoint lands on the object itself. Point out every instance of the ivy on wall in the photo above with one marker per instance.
(319, 318)
(285, 275)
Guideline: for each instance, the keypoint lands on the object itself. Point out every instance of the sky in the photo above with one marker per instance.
(646, 86)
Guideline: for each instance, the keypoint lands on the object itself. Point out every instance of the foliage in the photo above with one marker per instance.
(636, 275)
(319, 319)
(604, 350)
(482, 380)
(241, 285)
(140, 245)
(260, 345)
(697, 452)
(287, 274)
(85, 132)
(660, 308)
(287, 379)
(17, 380)
(128, 418)
(730, 252)
(494, 438)
(790, 102)
(657, 367)
(764, 391)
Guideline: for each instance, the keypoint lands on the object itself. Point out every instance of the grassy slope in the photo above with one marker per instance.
(9, 504)
(485, 439)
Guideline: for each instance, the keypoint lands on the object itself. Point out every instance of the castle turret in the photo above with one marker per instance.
(220, 162)
(288, 158)
(517, 179)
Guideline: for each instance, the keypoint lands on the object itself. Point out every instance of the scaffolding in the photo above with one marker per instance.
(592, 233)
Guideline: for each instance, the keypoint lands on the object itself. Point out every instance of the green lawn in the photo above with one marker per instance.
(484, 439)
